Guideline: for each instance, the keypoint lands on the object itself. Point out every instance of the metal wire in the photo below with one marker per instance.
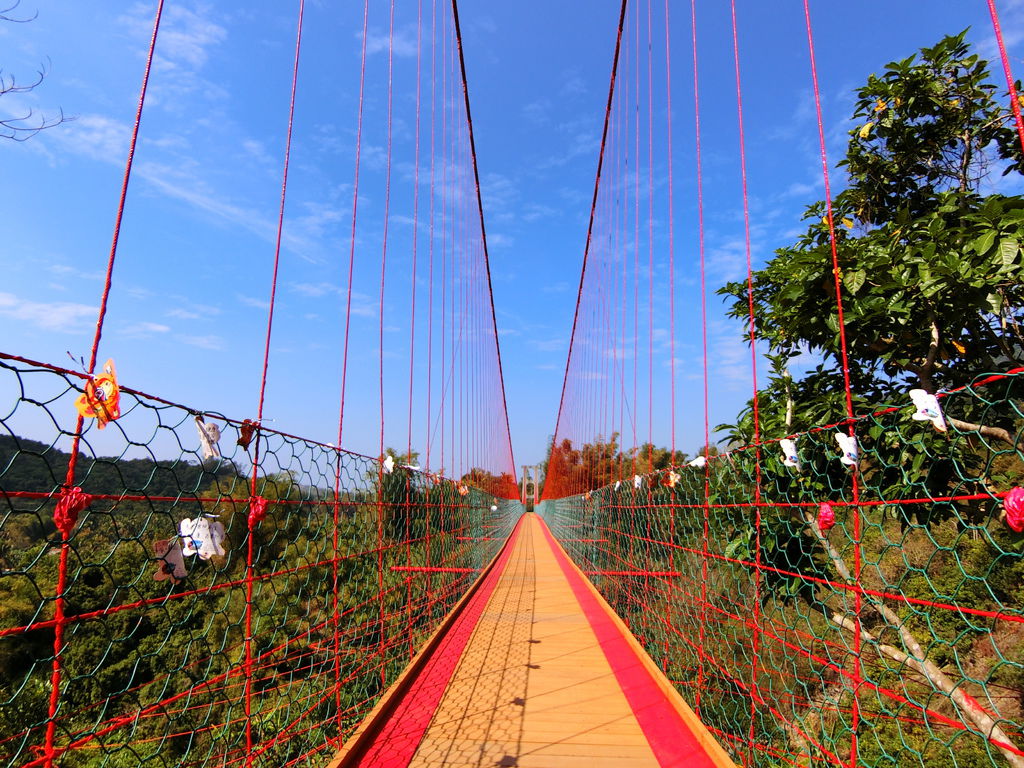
(154, 672)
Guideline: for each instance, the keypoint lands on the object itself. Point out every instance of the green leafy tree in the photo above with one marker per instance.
(932, 279)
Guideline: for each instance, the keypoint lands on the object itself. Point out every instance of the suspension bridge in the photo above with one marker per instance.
(838, 582)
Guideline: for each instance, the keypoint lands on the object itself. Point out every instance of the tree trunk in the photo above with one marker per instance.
(917, 658)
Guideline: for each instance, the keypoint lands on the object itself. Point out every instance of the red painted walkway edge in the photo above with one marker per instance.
(670, 737)
(396, 730)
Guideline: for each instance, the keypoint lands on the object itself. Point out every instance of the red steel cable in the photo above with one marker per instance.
(1011, 86)
(671, 232)
(855, 717)
(704, 345)
(69, 481)
(590, 228)
(753, 369)
(263, 388)
(483, 232)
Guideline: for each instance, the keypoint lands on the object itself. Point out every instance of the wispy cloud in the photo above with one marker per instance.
(549, 345)
(214, 343)
(251, 301)
(59, 316)
(94, 136)
(315, 290)
(561, 286)
(403, 43)
(190, 311)
(187, 37)
(144, 329)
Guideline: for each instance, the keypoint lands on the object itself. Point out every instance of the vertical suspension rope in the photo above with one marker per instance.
(49, 751)
(590, 229)
(755, 641)
(430, 244)
(381, 628)
(671, 231)
(1010, 82)
(850, 427)
(352, 231)
(706, 511)
(483, 230)
(344, 364)
(650, 235)
(252, 519)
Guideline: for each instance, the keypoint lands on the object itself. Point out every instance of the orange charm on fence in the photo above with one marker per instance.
(102, 397)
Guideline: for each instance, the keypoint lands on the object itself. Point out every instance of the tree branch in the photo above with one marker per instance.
(997, 433)
(917, 658)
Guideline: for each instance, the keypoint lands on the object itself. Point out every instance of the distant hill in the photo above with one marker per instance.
(28, 465)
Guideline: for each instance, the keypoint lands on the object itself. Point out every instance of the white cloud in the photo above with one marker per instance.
(550, 345)
(187, 36)
(185, 42)
(498, 240)
(60, 316)
(250, 301)
(255, 149)
(214, 343)
(403, 43)
(315, 290)
(80, 274)
(144, 329)
(96, 137)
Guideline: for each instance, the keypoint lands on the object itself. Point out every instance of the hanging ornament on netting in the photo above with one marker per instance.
(209, 434)
(494, 507)
(670, 478)
(245, 433)
(170, 561)
(389, 464)
(698, 462)
(71, 503)
(927, 408)
(848, 445)
(617, 484)
(101, 399)
(1013, 509)
(257, 510)
(789, 454)
(201, 536)
(463, 489)
(826, 517)
(638, 481)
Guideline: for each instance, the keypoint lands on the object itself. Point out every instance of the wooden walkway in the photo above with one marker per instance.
(532, 669)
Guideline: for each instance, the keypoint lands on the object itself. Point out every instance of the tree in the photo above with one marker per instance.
(930, 269)
(27, 125)
(932, 281)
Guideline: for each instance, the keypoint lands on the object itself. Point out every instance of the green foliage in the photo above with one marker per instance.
(931, 277)
(315, 619)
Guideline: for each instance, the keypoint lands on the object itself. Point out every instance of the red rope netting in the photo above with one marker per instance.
(838, 579)
(185, 588)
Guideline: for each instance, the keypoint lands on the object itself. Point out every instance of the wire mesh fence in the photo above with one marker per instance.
(826, 602)
(206, 591)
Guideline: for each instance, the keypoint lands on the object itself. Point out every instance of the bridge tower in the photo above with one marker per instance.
(531, 483)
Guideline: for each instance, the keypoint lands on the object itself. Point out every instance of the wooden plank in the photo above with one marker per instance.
(534, 687)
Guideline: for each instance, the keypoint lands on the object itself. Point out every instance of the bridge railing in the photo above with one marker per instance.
(173, 611)
(826, 613)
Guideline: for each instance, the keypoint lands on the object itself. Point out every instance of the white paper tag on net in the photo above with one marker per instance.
(851, 451)
(203, 537)
(927, 408)
(790, 458)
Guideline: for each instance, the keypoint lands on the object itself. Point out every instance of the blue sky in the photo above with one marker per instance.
(192, 279)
